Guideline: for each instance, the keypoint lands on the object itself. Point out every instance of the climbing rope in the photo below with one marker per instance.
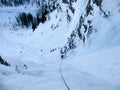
(61, 74)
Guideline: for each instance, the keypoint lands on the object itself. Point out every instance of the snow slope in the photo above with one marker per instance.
(93, 65)
(103, 64)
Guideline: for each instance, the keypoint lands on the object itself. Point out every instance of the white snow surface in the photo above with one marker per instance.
(94, 65)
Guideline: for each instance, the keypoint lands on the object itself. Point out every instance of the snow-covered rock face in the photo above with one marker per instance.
(73, 30)
(16, 3)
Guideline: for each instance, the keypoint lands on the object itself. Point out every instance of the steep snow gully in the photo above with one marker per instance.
(61, 62)
(35, 57)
